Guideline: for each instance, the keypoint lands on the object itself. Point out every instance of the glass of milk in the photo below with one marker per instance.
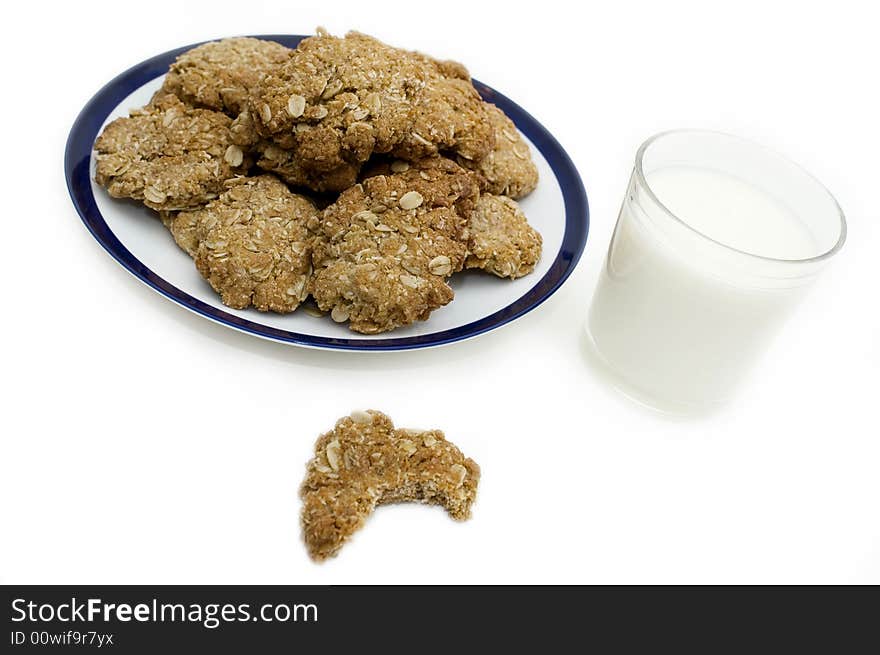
(716, 240)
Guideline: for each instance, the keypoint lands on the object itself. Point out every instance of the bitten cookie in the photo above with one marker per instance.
(365, 462)
(500, 240)
(386, 247)
(339, 100)
(252, 244)
(222, 74)
(168, 155)
(508, 169)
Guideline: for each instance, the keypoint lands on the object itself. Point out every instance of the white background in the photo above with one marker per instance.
(142, 444)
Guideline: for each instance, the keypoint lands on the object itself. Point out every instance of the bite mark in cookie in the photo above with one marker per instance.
(252, 244)
(386, 247)
(365, 462)
(168, 155)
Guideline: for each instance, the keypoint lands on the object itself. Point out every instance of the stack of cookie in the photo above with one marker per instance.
(415, 176)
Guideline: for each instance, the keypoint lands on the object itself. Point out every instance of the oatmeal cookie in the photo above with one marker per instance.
(500, 239)
(339, 100)
(273, 158)
(184, 227)
(168, 155)
(286, 165)
(388, 244)
(222, 74)
(508, 169)
(365, 462)
(252, 244)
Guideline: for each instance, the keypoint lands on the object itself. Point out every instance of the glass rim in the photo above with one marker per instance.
(640, 176)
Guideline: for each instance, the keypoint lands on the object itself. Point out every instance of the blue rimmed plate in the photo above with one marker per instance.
(137, 240)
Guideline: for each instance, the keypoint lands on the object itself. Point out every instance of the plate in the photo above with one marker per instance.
(137, 240)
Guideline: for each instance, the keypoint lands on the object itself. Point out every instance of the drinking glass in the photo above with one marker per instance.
(716, 241)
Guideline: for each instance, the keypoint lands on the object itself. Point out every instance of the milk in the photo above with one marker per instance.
(678, 314)
(732, 212)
